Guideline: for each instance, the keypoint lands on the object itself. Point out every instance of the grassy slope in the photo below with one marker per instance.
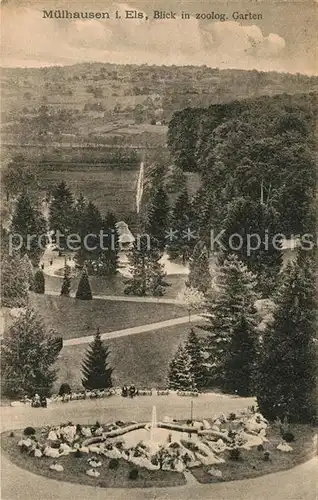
(76, 318)
(142, 359)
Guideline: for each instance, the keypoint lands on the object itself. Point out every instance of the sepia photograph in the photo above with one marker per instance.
(158, 320)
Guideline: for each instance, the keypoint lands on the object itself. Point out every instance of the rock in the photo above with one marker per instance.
(94, 463)
(94, 449)
(207, 425)
(52, 436)
(84, 449)
(51, 452)
(57, 467)
(38, 453)
(92, 473)
(215, 473)
(284, 447)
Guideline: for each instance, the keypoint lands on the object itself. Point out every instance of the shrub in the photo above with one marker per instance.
(288, 437)
(65, 389)
(133, 474)
(113, 464)
(29, 431)
(189, 422)
(232, 416)
(77, 454)
(11, 435)
(235, 454)
(56, 444)
(78, 428)
(266, 456)
(260, 447)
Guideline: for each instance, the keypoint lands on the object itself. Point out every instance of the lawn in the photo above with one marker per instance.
(141, 359)
(75, 468)
(71, 317)
(115, 286)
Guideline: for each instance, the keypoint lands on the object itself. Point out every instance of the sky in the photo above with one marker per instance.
(283, 40)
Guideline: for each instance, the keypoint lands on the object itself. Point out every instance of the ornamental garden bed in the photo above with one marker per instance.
(122, 462)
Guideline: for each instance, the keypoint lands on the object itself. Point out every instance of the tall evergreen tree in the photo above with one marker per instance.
(28, 354)
(180, 376)
(29, 226)
(241, 359)
(96, 374)
(194, 348)
(158, 216)
(109, 259)
(28, 270)
(199, 270)
(147, 273)
(39, 282)
(61, 216)
(234, 298)
(84, 289)
(89, 230)
(182, 239)
(14, 282)
(286, 381)
(66, 285)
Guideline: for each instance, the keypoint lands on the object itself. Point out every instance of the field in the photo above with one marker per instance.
(110, 190)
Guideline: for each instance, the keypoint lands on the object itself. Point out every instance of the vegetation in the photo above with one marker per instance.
(66, 284)
(27, 357)
(287, 372)
(84, 289)
(96, 374)
(39, 282)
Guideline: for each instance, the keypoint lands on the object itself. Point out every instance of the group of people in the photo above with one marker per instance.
(36, 401)
(129, 391)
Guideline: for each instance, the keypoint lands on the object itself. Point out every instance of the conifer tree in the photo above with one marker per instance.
(66, 285)
(157, 217)
(182, 241)
(147, 273)
(27, 221)
(286, 378)
(96, 374)
(109, 259)
(62, 214)
(28, 271)
(199, 271)
(14, 283)
(194, 348)
(28, 354)
(84, 289)
(180, 376)
(235, 297)
(90, 226)
(241, 359)
(39, 282)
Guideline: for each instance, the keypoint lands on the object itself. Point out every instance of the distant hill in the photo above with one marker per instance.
(122, 104)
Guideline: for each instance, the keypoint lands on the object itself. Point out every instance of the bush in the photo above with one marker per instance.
(260, 447)
(113, 464)
(77, 454)
(235, 454)
(232, 416)
(266, 456)
(65, 389)
(133, 474)
(39, 282)
(29, 431)
(288, 437)
(11, 435)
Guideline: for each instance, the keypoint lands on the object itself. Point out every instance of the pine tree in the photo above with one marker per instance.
(90, 226)
(62, 213)
(194, 349)
(96, 374)
(157, 217)
(234, 298)
(180, 376)
(109, 259)
(286, 379)
(147, 273)
(28, 271)
(66, 285)
(182, 241)
(14, 282)
(39, 282)
(27, 357)
(28, 226)
(241, 359)
(84, 289)
(199, 270)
